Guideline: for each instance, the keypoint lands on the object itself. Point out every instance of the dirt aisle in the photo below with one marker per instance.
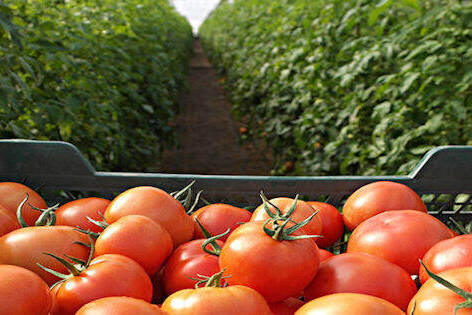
(207, 133)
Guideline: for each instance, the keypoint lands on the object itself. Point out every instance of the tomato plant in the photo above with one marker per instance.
(75, 213)
(332, 223)
(119, 305)
(8, 221)
(286, 307)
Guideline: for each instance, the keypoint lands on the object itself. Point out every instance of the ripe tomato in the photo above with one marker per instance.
(448, 254)
(107, 275)
(349, 303)
(333, 224)
(324, 254)
(139, 238)
(378, 197)
(218, 217)
(210, 300)
(286, 307)
(435, 299)
(156, 204)
(278, 269)
(75, 213)
(119, 305)
(186, 261)
(25, 247)
(12, 194)
(23, 292)
(401, 237)
(8, 221)
(302, 211)
(365, 274)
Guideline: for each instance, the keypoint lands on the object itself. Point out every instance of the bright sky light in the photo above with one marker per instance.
(195, 10)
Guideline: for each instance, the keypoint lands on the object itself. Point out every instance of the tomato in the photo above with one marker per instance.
(12, 194)
(278, 269)
(107, 275)
(75, 213)
(286, 307)
(349, 303)
(365, 274)
(119, 305)
(26, 247)
(156, 204)
(210, 300)
(448, 254)
(333, 224)
(186, 261)
(139, 238)
(435, 299)
(218, 217)
(302, 211)
(324, 254)
(22, 292)
(401, 237)
(8, 221)
(378, 197)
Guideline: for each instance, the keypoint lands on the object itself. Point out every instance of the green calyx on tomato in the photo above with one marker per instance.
(212, 281)
(102, 224)
(464, 294)
(185, 195)
(280, 231)
(47, 218)
(211, 240)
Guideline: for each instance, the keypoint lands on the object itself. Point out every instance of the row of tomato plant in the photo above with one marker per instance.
(347, 87)
(104, 75)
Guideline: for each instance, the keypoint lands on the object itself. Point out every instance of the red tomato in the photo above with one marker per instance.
(256, 260)
(286, 307)
(365, 274)
(156, 204)
(22, 292)
(302, 211)
(75, 213)
(324, 254)
(26, 247)
(435, 299)
(119, 305)
(107, 275)
(218, 217)
(448, 254)
(378, 197)
(349, 303)
(8, 221)
(186, 261)
(401, 237)
(333, 224)
(211, 300)
(12, 194)
(139, 238)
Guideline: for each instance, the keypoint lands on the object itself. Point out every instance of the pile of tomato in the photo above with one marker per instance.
(151, 252)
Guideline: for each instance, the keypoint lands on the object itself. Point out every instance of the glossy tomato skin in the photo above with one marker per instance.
(186, 261)
(108, 275)
(276, 269)
(22, 292)
(12, 194)
(401, 237)
(303, 210)
(286, 307)
(8, 221)
(139, 238)
(377, 197)
(349, 303)
(156, 204)
(324, 254)
(75, 213)
(435, 299)
(208, 301)
(333, 224)
(364, 274)
(26, 247)
(448, 254)
(218, 217)
(119, 305)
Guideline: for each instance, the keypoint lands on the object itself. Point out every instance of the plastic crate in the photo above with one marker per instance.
(443, 178)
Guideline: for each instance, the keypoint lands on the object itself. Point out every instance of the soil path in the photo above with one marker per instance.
(207, 134)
